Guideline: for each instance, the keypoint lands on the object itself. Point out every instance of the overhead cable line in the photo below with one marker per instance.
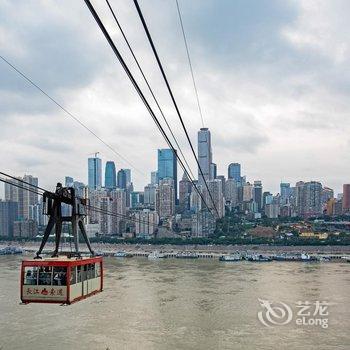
(122, 216)
(101, 211)
(25, 182)
(147, 83)
(140, 93)
(24, 76)
(10, 182)
(189, 62)
(172, 97)
(96, 209)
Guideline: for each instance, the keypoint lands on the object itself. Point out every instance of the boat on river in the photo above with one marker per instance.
(11, 250)
(187, 255)
(302, 257)
(230, 257)
(122, 254)
(157, 255)
(258, 258)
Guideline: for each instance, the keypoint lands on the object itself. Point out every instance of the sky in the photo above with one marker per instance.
(273, 79)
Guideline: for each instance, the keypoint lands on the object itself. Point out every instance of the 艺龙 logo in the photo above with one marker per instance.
(307, 313)
(274, 313)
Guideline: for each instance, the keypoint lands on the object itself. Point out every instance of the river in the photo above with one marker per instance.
(185, 304)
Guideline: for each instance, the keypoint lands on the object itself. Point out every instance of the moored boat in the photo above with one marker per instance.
(230, 257)
(122, 254)
(324, 258)
(187, 255)
(307, 257)
(157, 255)
(258, 258)
(301, 257)
(11, 250)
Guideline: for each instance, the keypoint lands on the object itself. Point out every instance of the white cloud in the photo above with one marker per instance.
(321, 26)
(280, 108)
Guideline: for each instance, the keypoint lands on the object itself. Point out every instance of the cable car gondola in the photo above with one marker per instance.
(62, 278)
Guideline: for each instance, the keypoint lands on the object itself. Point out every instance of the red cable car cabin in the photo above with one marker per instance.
(60, 280)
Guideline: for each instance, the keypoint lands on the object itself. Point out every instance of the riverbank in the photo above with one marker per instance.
(143, 249)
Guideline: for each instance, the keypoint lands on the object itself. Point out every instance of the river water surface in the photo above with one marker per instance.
(183, 304)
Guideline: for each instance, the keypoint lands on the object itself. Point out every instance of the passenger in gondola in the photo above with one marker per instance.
(29, 277)
(57, 279)
(63, 278)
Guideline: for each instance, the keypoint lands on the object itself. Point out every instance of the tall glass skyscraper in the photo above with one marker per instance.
(128, 176)
(110, 176)
(122, 179)
(167, 166)
(204, 156)
(95, 173)
(234, 172)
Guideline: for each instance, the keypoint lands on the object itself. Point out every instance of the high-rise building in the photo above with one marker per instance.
(257, 194)
(150, 196)
(77, 185)
(122, 179)
(110, 176)
(80, 189)
(8, 215)
(234, 171)
(118, 207)
(165, 198)
(231, 192)
(215, 188)
(128, 176)
(146, 223)
(223, 181)
(106, 220)
(285, 191)
(330, 206)
(29, 198)
(185, 189)
(203, 224)
(167, 166)
(327, 194)
(68, 181)
(213, 171)
(25, 228)
(346, 198)
(24, 198)
(94, 173)
(309, 198)
(272, 210)
(267, 198)
(136, 199)
(95, 197)
(129, 190)
(12, 192)
(247, 192)
(154, 177)
(204, 156)
(195, 202)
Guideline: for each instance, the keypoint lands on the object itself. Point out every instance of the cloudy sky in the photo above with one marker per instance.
(273, 79)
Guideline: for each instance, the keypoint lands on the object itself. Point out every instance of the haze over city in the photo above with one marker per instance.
(273, 88)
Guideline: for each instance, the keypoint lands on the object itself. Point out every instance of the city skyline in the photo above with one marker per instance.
(263, 112)
(101, 175)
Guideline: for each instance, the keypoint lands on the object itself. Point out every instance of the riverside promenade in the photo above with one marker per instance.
(203, 251)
